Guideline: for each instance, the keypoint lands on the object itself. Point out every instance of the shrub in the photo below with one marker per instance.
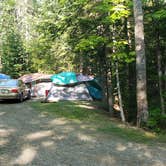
(156, 121)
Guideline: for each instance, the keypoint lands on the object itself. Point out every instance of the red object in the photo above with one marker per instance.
(14, 90)
(46, 92)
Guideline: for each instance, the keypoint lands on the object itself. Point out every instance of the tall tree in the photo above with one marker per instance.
(13, 56)
(142, 104)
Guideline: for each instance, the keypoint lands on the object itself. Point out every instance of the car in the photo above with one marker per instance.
(14, 89)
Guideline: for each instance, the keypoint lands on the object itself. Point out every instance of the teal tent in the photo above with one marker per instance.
(95, 89)
(73, 81)
(64, 78)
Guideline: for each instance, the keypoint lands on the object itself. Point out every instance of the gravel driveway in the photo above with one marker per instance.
(28, 137)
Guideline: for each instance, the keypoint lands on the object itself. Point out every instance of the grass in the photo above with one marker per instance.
(86, 112)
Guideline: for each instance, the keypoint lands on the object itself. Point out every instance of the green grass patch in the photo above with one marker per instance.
(70, 110)
(87, 112)
(132, 134)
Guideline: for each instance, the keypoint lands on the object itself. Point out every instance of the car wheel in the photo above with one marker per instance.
(29, 95)
(20, 98)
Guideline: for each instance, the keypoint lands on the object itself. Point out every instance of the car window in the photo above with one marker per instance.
(6, 83)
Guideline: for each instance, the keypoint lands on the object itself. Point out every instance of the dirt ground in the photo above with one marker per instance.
(28, 137)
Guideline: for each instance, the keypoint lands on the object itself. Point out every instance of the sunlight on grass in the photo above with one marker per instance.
(47, 144)
(3, 142)
(2, 113)
(150, 135)
(60, 121)
(85, 138)
(120, 147)
(39, 135)
(99, 120)
(6, 132)
(27, 155)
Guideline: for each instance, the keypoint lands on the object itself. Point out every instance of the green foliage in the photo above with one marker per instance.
(13, 54)
(60, 40)
(155, 35)
(49, 51)
(156, 121)
(118, 12)
(90, 43)
(159, 15)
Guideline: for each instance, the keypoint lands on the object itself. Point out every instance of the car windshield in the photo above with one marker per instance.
(8, 83)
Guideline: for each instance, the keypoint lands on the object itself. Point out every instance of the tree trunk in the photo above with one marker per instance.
(1, 12)
(110, 92)
(158, 52)
(0, 53)
(165, 79)
(119, 93)
(130, 80)
(142, 105)
(109, 82)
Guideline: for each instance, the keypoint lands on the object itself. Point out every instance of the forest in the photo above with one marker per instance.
(120, 42)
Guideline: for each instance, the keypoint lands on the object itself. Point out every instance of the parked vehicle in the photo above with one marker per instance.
(4, 76)
(14, 89)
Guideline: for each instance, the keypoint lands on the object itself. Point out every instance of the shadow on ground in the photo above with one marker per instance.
(28, 137)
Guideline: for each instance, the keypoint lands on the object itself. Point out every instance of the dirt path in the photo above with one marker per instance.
(28, 137)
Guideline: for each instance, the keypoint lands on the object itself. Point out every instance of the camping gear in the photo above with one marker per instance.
(74, 92)
(95, 93)
(71, 86)
(64, 78)
(95, 89)
(29, 78)
(38, 82)
(84, 78)
(4, 76)
(41, 90)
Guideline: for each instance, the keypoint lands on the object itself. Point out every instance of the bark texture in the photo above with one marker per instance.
(142, 105)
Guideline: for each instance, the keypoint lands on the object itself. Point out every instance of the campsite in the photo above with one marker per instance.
(65, 112)
(63, 86)
(82, 82)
